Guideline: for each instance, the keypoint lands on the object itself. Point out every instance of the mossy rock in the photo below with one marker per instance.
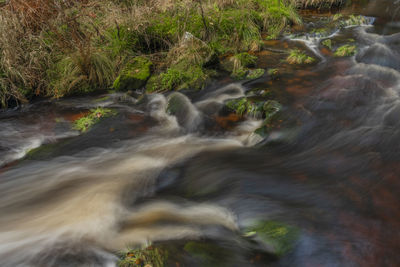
(245, 106)
(346, 51)
(327, 43)
(274, 74)
(276, 235)
(354, 20)
(150, 256)
(240, 73)
(321, 32)
(179, 77)
(41, 152)
(94, 116)
(271, 109)
(298, 57)
(255, 74)
(134, 75)
(261, 109)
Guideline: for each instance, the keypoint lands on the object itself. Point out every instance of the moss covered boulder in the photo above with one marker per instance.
(134, 75)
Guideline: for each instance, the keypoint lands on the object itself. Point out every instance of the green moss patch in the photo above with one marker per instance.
(238, 65)
(134, 75)
(327, 43)
(346, 51)
(177, 78)
(261, 109)
(298, 57)
(280, 236)
(255, 74)
(354, 20)
(273, 73)
(150, 256)
(94, 116)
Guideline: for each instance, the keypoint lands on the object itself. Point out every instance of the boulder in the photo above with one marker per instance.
(135, 75)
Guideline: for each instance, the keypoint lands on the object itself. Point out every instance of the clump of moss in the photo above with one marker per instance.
(346, 51)
(255, 74)
(238, 65)
(354, 20)
(327, 43)
(337, 17)
(94, 116)
(134, 75)
(273, 73)
(298, 57)
(178, 77)
(271, 109)
(246, 106)
(150, 256)
(280, 236)
(320, 32)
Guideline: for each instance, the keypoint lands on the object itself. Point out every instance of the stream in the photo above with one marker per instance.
(330, 169)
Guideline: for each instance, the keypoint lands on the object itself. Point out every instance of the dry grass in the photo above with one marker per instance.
(319, 3)
(61, 47)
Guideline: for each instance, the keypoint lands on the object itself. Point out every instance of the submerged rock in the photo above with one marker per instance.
(134, 75)
(380, 54)
(185, 112)
(277, 237)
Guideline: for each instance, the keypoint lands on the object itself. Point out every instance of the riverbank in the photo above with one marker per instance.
(60, 48)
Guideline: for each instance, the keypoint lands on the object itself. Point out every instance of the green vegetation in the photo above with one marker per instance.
(261, 109)
(238, 65)
(244, 106)
(273, 73)
(76, 47)
(134, 75)
(327, 43)
(280, 236)
(94, 116)
(346, 51)
(354, 20)
(298, 57)
(150, 256)
(255, 74)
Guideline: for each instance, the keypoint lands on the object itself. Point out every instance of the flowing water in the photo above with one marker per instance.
(331, 169)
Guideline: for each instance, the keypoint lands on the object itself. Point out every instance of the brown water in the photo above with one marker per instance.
(331, 168)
